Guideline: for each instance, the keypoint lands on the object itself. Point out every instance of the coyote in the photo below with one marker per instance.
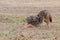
(43, 15)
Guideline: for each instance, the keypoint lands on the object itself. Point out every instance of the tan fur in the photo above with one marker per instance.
(27, 25)
(43, 15)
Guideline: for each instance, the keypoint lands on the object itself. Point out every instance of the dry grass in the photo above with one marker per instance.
(10, 22)
(11, 19)
(11, 31)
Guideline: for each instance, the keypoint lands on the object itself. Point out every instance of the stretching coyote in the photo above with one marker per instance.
(39, 18)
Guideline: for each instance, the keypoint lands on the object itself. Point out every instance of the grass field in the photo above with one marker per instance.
(11, 19)
(13, 12)
(11, 28)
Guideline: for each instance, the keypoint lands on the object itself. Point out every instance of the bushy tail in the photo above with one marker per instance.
(50, 19)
